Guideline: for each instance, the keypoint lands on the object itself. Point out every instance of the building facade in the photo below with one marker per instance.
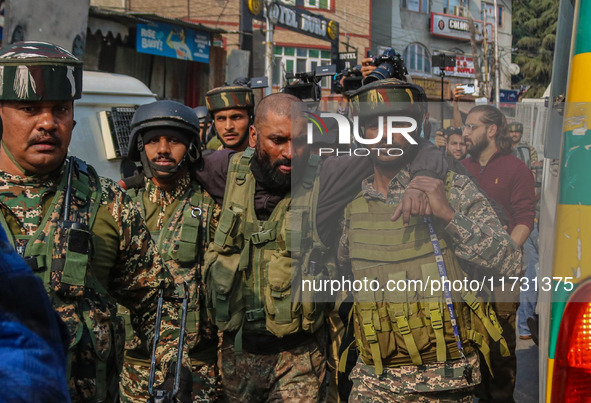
(420, 29)
(294, 50)
(177, 59)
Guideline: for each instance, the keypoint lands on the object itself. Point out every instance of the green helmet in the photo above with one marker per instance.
(516, 127)
(389, 96)
(39, 71)
(229, 97)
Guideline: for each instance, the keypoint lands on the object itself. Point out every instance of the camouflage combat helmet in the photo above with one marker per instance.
(516, 127)
(39, 71)
(229, 97)
(390, 97)
(168, 115)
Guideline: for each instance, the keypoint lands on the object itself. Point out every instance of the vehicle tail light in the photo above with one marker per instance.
(571, 379)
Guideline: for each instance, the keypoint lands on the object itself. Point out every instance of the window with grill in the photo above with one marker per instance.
(420, 6)
(298, 60)
(116, 130)
(489, 10)
(417, 59)
(319, 4)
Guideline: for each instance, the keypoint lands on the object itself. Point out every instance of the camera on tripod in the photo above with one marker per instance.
(306, 85)
(389, 65)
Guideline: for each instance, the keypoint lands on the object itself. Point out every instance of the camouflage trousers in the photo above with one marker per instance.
(296, 375)
(133, 386)
(437, 382)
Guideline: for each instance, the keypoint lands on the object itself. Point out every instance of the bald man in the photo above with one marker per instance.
(266, 356)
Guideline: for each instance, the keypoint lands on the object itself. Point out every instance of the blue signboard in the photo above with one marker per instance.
(173, 41)
(508, 96)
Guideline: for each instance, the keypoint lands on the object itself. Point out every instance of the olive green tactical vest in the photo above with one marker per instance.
(180, 256)
(249, 263)
(409, 326)
(58, 252)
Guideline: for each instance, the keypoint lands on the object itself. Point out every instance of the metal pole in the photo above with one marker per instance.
(497, 64)
(486, 83)
(268, 49)
(442, 75)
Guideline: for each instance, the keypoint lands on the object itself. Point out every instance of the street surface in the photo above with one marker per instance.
(526, 388)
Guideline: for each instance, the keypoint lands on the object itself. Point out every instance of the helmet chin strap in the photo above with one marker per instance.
(144, 158)
(170, 171)
(154, 170)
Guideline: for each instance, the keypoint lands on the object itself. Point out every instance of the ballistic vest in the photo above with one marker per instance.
(410, 326)
(523, 152)
(182, 256)
(250, 261)
(58, 252)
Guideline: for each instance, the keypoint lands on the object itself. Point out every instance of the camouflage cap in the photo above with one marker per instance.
(516, 127)
(229, 97)
(389, 96)
(39, 71)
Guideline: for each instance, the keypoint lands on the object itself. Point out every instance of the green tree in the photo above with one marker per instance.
(534, 36)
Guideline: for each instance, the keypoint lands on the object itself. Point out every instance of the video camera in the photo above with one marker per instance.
(306, 85)
(389, 65)
(353, 80)
(255, 82)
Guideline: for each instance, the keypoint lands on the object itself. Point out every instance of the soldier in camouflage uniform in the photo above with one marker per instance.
(407, 340)
(79, 232)
(523, 151)
(272, 350)
(285, 348)
(232, 112)
(165, 138)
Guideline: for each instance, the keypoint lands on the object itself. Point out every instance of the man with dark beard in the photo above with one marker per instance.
(254, 188)
(417, 343)
(272, 348)
(503, 177)
(509, 182)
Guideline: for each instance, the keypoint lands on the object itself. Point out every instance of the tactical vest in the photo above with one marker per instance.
(410, 326)
(183, 252)
(249, 263)
(58, 252)
(523, 152)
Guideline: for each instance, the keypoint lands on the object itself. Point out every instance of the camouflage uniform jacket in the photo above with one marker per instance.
(475, 229)
(477, 237)
(183, 217)
(119, 264)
